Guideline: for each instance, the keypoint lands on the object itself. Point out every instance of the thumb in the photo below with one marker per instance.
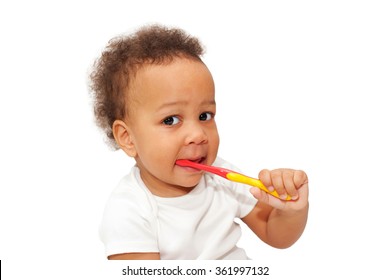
(266, 198)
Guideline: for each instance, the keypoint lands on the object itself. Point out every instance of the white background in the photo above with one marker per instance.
(300, 84)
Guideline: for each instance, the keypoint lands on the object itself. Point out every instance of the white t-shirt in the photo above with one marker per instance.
(199, 225)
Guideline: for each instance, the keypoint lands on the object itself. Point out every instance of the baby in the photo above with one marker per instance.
(155, 99)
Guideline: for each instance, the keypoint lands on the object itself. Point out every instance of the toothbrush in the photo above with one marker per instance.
(230, 175)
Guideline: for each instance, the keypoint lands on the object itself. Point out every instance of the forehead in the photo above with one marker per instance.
(181, 78)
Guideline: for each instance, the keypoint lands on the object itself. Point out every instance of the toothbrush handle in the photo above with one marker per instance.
(236, 177)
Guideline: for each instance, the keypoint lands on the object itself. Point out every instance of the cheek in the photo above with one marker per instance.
(214, 139)
(163, 148)
(213, 144)
(156, 158)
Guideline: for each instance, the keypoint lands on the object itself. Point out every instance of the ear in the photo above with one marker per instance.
(123, 137)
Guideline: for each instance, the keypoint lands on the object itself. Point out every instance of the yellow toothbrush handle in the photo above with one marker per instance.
(252, 182)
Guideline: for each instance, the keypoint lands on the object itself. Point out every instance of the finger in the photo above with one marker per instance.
(268, 199)
(259, 195)
(300, 178)
(277, 183)
(265, 178)
(288, 180)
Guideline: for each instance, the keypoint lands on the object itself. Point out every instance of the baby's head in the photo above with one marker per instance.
(115, 71)
(154, 98)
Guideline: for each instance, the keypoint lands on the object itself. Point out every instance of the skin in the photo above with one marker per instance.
(171, 117)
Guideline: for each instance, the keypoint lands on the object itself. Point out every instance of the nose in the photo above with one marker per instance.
(195, 134)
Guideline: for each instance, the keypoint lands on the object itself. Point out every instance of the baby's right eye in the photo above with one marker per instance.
(172, 120)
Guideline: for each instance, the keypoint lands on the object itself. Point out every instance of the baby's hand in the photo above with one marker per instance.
(285, 182)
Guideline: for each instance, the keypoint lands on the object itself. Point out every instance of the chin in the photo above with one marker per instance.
(191, 183)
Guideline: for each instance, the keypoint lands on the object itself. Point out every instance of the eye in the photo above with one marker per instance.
(172, 120)
(205, 116)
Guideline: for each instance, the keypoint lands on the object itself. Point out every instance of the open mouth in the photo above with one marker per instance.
(201, 160)
(198, 160)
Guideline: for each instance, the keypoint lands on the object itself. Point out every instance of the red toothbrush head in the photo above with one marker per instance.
(216, 170)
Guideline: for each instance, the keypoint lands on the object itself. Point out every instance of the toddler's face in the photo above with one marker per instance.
(172, 117)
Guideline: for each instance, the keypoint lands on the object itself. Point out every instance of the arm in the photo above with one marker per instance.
(276, 222)
(135, 256)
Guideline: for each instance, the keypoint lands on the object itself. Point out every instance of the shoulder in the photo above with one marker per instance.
(130, 214)
(129, 195)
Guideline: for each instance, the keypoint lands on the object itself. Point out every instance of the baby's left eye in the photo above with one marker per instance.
(205, 116)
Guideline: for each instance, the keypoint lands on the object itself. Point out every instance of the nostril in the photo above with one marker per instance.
(197, 141)
(196, 135)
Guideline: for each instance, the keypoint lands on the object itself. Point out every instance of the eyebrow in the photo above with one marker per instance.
(175, 103)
